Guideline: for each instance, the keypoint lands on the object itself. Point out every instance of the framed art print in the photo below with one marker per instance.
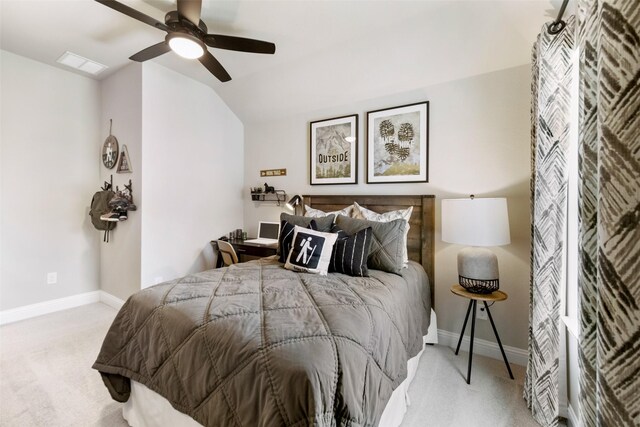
(124, 163)
(398, 144)
(334, 151)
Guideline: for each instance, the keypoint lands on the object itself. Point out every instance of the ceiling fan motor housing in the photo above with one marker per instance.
(176, 23)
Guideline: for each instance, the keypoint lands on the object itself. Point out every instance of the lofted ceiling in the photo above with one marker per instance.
(329, 53)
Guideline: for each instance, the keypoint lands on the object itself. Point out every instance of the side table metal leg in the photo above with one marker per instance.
(464, 326)
(473, 327)
(495, 331)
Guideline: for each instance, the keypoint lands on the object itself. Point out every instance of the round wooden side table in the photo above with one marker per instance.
(473, 302)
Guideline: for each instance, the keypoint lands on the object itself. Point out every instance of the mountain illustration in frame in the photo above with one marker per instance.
(124, 162)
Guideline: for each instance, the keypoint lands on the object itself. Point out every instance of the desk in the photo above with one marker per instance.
(473, 302)
(248, 251)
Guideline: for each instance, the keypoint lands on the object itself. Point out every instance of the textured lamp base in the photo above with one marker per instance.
(479, 286)
(478, 270)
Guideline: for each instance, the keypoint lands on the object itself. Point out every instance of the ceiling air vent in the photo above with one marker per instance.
(79, 63)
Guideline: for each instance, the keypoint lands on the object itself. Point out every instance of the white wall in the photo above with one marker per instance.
(49, 145)
(192, 161)
(122, 102)
(478, 144)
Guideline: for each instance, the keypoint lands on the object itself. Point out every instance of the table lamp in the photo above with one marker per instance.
(476, 223)
(294, 202)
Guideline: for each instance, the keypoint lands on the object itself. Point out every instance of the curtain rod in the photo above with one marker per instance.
(558, 25)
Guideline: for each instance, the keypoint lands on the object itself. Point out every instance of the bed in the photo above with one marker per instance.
(255, 344)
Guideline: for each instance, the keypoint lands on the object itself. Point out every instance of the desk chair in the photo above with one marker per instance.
(226, 251)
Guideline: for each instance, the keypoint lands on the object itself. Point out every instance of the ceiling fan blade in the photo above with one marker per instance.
(190, 9)
(122, 8)
(241, 44)
(151, 52)
(214, 67)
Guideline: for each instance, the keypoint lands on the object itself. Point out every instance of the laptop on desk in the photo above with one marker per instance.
(268, 233)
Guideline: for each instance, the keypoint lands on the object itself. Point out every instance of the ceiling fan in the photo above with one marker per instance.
(187, 36)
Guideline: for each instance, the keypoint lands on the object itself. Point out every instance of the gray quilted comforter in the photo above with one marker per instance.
(257, 345)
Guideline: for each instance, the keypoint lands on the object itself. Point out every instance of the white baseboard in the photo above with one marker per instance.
(573, 420)
(110, 300)
(486, 348)
(432, 333)
(563, 409)
(46, 307)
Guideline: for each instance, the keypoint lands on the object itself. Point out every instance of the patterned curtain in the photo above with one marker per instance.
(550, 113)
(609, 277)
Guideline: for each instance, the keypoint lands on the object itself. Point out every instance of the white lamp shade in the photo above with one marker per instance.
(475, 222)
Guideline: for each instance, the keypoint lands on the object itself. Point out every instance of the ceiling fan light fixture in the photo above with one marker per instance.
(185, 45)
(187, 36)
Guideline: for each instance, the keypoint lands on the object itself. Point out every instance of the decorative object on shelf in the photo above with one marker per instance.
(268, 194)
(108, 185)
(110, 149)
(273, 172)
(122, 203)
(476, 222)
(334, 151)
(398, 144)
(124, 164)
(256, 193)
(294, 202)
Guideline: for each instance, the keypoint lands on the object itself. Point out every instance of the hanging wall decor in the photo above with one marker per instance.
(110, 149)
(124, 164)
(334, 151)
(398, 144)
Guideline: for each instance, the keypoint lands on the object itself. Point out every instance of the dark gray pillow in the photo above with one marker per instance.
(387, 245)
(324, 224)
(350, 253)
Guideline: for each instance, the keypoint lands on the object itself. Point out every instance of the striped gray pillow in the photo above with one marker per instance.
(350, 252)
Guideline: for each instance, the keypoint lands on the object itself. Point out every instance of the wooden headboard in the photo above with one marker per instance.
(421, 239)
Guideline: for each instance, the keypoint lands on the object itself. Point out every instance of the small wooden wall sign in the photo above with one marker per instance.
(273, 172)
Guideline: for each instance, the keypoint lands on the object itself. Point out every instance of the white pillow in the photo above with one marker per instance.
(364, 213)
(317, 213)
(310, 251)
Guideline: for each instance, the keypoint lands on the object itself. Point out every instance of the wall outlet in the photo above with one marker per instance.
(157, 280)
(52, 278)
(481, 313)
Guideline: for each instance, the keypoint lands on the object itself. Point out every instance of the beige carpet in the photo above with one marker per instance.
(46, 379)
(45, 370)
(440, 395)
